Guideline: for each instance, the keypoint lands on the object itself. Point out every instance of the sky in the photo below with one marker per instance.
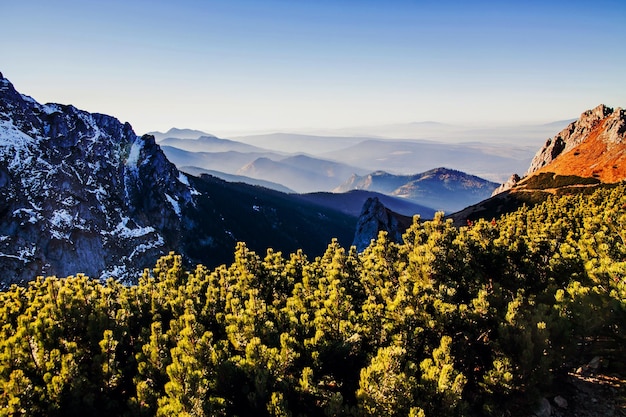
(239, 65)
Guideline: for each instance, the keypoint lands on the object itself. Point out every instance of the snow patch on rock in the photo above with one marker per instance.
(122, 230)
(147, 246)
(15, 145)
(174, 203)
(135, 150)
(183, 178)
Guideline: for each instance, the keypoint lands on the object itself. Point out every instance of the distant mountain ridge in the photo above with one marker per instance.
(440, 188)
(178, 133)
(300, 143)
(404, 156)
(209, 144)
(302, 173)
(491, 160)
(195, 171)
(229, 162)
(351, 202)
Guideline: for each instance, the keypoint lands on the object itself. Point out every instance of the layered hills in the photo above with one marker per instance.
(440, 188)
(302, 173)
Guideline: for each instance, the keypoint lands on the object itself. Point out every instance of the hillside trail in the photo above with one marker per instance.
(588, 391)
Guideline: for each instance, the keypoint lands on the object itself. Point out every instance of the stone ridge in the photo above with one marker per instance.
(576, 132)
(592, 146)
(510, 183)
(601, 155)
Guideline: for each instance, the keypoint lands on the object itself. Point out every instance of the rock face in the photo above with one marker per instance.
(80, 192)
(576, 132)
(375, 217)
(543, 408)
(592, 146)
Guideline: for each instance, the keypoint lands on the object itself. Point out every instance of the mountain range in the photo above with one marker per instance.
(440, 188)
(490, 160)
(81, 192)
(319, 164)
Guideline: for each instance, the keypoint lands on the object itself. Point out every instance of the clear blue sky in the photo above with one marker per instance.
(286, 64)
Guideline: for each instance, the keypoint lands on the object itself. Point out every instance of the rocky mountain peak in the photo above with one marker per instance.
(576, 132)
(592, 146)
(81, 192)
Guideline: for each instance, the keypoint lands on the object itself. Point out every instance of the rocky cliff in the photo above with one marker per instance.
(80, 192)
(510, 183)
(610, 120)
(592, 146)
(374, 218)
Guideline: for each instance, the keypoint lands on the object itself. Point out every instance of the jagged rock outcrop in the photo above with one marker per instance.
(576, 132)
(375, 217)
(510, 183)
(592, 146)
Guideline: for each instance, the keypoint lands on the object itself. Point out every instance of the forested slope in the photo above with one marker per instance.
(476, 320)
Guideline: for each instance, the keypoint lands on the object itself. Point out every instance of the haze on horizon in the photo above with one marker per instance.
(245, 65)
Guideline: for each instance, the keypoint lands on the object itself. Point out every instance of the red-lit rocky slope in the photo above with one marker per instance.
(594, 146)
(588, 153)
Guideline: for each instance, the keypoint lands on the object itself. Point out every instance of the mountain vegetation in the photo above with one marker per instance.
(480, 320)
